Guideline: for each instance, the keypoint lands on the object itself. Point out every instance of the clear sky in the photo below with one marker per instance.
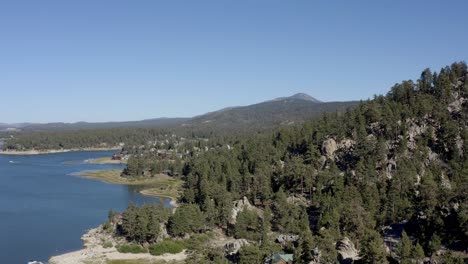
(96, 60)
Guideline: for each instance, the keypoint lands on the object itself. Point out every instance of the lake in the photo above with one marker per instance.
(45, 209)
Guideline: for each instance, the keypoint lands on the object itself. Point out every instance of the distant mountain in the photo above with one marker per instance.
(156, 123)
(280, 111)
(299, 96)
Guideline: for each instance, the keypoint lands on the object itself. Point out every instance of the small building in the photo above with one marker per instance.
(282, 259)
(117, 156)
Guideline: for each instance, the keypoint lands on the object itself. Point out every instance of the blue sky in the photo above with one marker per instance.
(130, 60)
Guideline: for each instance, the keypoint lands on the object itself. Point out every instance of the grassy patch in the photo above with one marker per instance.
(168, 246)
(131, 248)
(105, 160)
(159, 186)
(107, 244)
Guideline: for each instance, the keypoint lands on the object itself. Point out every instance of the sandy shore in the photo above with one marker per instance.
(105, 160)
(94, 252)
(52, 151)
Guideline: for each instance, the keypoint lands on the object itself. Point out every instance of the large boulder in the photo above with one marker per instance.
(329, 147)
(347, 252)
(231, 248)
(284, 238)
(346, 144)
(456, 106)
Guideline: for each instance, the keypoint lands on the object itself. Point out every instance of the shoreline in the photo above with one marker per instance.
(105, 160)
(93, 251)
(53, 151)
(160, 186)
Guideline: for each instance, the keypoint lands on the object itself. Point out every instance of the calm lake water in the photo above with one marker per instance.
(45, 209)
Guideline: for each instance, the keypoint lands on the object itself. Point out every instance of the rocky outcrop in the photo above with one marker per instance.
(414, 130)
(316, 254)
(339, 152)
(347, 252)
(346, 144)
(298, 200)
(329, 147)
(284, 238)
(445, 182)
(239, 206)
(233, 247)
(456, 106)
(163, 234)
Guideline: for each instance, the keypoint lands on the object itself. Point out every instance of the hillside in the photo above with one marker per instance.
(261, 117)
(281, 111)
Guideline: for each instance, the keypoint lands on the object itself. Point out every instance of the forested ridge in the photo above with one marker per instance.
(340, 187)
(257, 118)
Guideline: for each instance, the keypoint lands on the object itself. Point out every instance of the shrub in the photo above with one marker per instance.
(107, 244)
(131, 248)
(107, 226)
(172, 247)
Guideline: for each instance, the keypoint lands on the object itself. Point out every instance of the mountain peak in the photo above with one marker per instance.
(299, 96)
(304, 96)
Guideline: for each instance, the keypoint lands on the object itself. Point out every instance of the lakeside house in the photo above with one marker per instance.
(282, 258)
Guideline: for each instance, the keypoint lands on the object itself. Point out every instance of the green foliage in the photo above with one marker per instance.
(251, 254)
(451, 258)
(248, 226)
(187, 219)
(167, 246)
(142, 223)
(373, 248)
(107, 244)
(405, 248)
(131, 248)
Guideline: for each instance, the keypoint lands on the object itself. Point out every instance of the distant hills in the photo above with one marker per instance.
(280, 111)
(148, 123)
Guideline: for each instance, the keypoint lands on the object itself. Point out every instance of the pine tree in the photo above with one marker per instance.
(405, 248)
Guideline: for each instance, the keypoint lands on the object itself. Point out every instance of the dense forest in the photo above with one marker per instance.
(89, 138)
(384, 182)
(257, 118)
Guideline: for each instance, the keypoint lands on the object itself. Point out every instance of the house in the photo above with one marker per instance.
(117, 156)
(282, 259)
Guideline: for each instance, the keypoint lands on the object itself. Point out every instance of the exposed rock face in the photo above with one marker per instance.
(346, 144)
(391, 167)
(163, 234)
(329, 147)
(233, 247)
(444, 182)
(456, 106)
(459, 144)
(414, 131)
(282, 238)
(347, 251)
(239, 206)
(298, 200)
(316, 254)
